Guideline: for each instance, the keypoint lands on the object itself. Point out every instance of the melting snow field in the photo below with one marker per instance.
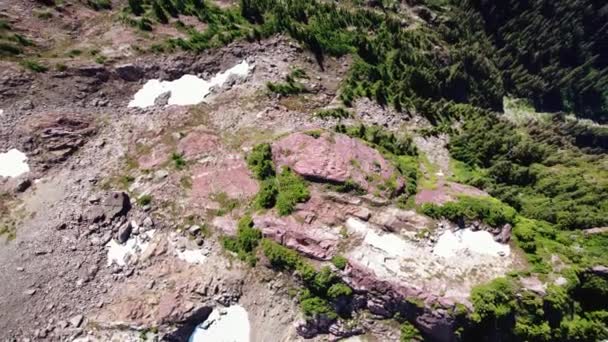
(187, 90)
(224, 325)
(13, 163)
(192, 256)
(480, 242)
(450, 267)
(120, 254)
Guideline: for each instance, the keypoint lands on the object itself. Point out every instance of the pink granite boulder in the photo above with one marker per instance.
(313, 241)
(337, 158)
(227, 174)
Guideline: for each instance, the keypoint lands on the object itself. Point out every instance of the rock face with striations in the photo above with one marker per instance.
(386, 298)
(337, 158)
(53, 138)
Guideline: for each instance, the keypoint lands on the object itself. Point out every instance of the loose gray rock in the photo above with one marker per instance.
(124, 232)
(76, 321)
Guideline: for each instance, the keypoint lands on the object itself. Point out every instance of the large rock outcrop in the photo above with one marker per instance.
(337, 158)
(433, 314)
(315, 242)
(52, 138)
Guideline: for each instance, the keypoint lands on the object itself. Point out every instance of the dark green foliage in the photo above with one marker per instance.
(8, 49)
(553, 52)
(535, 177)
(340, 262)
(408, 167)
(159, 12)
(99, 5)
(349, 186)
(291, 86)
(488, 210)
(409, 333)
(136, 7)
(34, 65)
(260, 161)
(267, 196)
(315, 306)
(504, 312)
(494, 301)
(292, 190)
(339, 290)
(144, 200)
(336, 113)
(178, 160)
(382, 139)
(322, 287)
(246, 241)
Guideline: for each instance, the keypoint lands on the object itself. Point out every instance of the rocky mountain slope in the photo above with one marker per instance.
(184, 170)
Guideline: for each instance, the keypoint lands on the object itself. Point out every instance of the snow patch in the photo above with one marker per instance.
(192, 256)
(13, 163)
(187, 90)
(122, 254)
(223, 325)
(451, 243)
(448, 268)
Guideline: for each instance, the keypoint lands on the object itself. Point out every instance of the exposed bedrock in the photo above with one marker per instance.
(337, 158)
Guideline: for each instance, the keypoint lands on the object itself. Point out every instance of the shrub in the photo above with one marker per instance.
(34, 66)
(99, 5)
(493, 301)
(488, 210)
(260, 161)
(339, 290)
(267, 196)
(280, 257)
(178, 160)
(144, 200)
(315, 306)
(409, 333)
(8, 49)
(292, 190)
(136, 7)
(246, 241)
(336, 113)
(339, 261)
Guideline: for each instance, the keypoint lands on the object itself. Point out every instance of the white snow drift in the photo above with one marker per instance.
(187, 90)
(121, 254)
(224, 325)
(13, 163)
(479, 242)
(448, 268)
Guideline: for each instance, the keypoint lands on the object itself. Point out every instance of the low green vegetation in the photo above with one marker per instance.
(322, 288)
(291, 85)
(99, 5)
(292, 189)
(178, 160)
(283, 190)
(34, 66)
(542, 177)
(12, 44)
(144, 200)
(246, 241)
(340, 262)
(226, 203)
(503, 311)
(260, 163)
(488, 210)
(401, 150)
(335, 113)
(409, 333)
